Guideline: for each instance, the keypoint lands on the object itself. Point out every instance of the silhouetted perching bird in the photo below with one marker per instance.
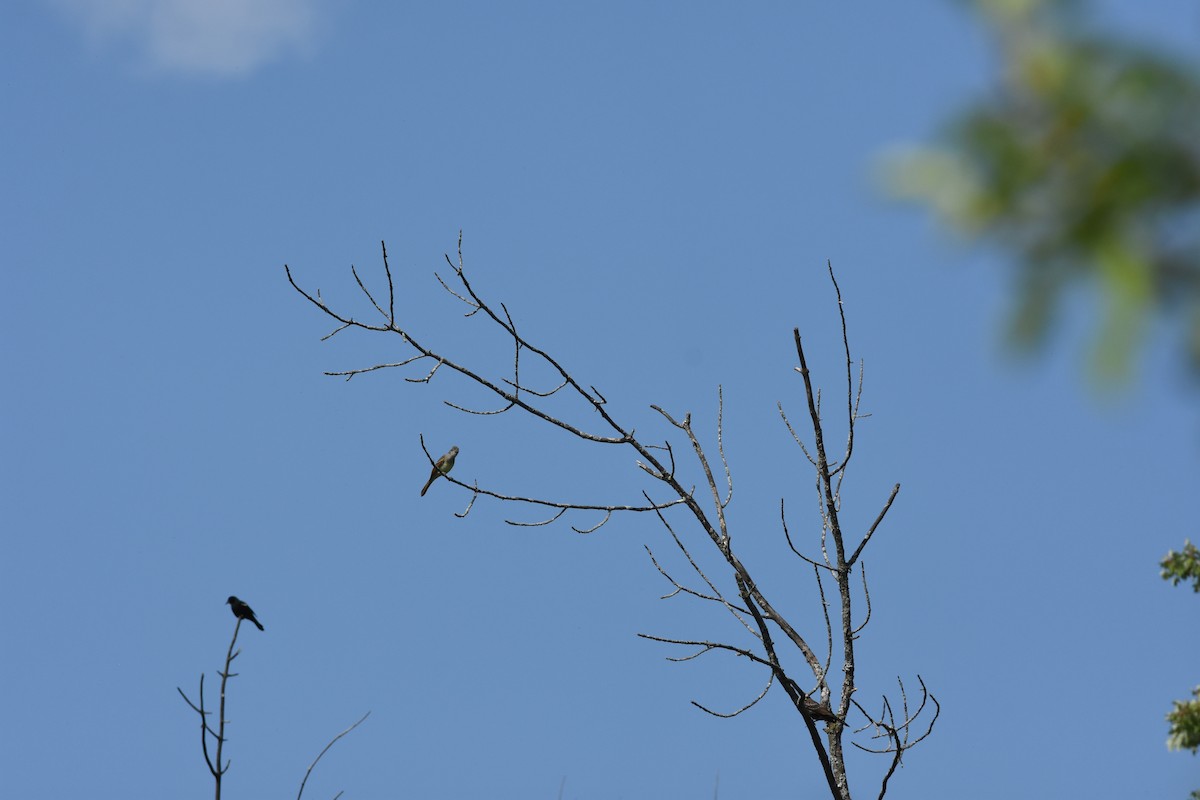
(243, 611)
(442, 467)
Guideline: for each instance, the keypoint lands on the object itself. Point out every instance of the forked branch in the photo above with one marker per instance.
(215, 767)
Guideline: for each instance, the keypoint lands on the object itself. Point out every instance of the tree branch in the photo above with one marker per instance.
(323, 752)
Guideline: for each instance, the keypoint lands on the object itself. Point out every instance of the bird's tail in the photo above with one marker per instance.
(259, 624)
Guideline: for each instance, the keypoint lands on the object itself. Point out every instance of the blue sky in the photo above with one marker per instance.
(653, 190)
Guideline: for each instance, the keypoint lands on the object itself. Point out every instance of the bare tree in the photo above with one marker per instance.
(767, 634)
(215, 767)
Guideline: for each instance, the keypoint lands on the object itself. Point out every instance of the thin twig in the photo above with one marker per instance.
(866, 597)
(747, 707)
(323, 752)
(788, 537)
(875, 524)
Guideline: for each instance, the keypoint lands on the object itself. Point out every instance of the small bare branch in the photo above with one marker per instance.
(721, 447)
(851, 398)
(668, 417)
(653, 473)
(717, 595)
(867, 597)
(747, 707)
(706, 647)
(519, 342)
(722, 527)
(597, 526)
(323, 752)
(463, 514)
(512, 326)
(570, 506)
(334, 332)
(319, 303)
(680, 588)
(367, 292)
(828, 621)
(466, 410)
(539, 524)
(899, 735)
(205, 730)
(795, 436)
(874, 525)
(350, 373)
(788, 536)
(670, 457)
(391, 286)
(432, 372)
(535, 393)
(474, 305)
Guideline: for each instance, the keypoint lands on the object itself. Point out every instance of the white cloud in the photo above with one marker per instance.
(218, 37)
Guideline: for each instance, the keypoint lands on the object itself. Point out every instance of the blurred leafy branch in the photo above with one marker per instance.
(1183, 566)
(1185, 723)
(1085, 165)
(1184, 717)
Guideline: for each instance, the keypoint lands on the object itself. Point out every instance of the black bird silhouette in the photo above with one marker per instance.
(243, 611)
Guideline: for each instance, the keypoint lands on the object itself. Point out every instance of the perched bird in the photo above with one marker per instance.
(819, 710)
(243, 611)
(442, 467)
